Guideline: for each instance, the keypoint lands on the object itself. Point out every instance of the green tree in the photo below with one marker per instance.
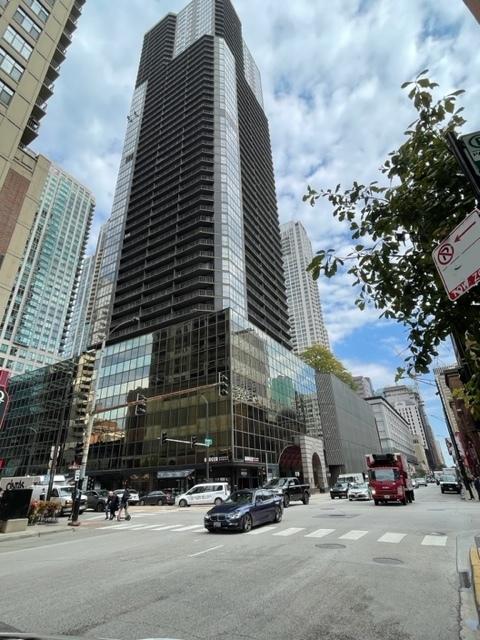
(395, 226)
(323, 360)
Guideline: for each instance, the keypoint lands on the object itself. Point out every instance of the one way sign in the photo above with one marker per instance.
(458, 257)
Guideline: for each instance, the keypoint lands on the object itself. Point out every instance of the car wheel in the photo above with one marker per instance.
(218, 501)
(160, 503)
(443, 491)
(350, 499)
(332, 497)
(286, 501)
(247, 523)
(142, 503)
(182, 503)
(100, 507)
(306, 499)
(278, 514)
(376, 503)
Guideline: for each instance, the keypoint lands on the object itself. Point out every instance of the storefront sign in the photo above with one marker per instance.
(250, 459)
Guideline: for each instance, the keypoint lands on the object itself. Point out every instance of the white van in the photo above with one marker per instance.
(208, 493)
(353, 478)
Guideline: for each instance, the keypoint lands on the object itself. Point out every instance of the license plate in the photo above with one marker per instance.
(217, 524)
(387, 497)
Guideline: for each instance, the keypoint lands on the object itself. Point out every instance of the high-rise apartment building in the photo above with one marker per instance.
(364, 386)
(33, 327)
(195, 224)
(34, 36)
(303, 296)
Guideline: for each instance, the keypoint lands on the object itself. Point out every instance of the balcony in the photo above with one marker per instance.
(31, 131)
(59, 54)
(39, 109)
(46, 90)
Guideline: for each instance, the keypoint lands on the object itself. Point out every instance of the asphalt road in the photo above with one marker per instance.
(333, 570)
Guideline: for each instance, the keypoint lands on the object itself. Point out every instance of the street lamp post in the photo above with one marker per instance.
(91, 419)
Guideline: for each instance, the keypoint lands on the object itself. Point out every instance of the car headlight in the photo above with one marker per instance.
(207, 517)
(236, 515)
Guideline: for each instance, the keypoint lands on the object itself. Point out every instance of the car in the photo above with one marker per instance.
(359, 491)
(157, 497)
(421, 482)
(339, 490)
(415, 483)
(450, 483)
(134, 498)
(206, 493)
(97, 499)
(243, 510)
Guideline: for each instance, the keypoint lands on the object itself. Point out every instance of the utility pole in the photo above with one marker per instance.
(207, 436)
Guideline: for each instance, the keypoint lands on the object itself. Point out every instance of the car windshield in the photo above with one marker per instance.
(65, 492)
(359, 485)
(240, 497)
(448, 479)
(384, 475)
(340, 485)
(276, 482)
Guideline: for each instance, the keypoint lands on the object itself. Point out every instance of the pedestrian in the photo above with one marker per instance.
(124, 503)
(477, 485)
(113, 506)
(107, 506)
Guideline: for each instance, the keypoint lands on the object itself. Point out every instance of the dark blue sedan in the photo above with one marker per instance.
(244, 509)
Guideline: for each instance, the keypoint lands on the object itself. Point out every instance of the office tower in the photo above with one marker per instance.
(195, 224)
(303, 297)
(364, 386)
(34, 322)
(34, 36)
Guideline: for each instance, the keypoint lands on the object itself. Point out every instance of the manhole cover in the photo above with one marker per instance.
(331, 545)
(387, 561)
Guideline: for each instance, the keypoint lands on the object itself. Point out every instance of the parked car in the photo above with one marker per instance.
(97, 499)
(421, 482)
(157, 497)
(206, 493)
(339, 490)
(450, 483)
(245, 509)
(359, 491)
(132, 501)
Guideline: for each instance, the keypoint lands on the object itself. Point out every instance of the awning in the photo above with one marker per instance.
(184, 473)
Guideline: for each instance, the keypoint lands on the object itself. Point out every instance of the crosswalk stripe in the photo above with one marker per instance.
(394, 538)
(353, 535)
(167, 526)
(435, 541)
(259, 531)
(319, 533)
(193, 526)
(289, 532)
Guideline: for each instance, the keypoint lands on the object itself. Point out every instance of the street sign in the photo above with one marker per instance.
(208, 441)
(77, 475)
(458, 257)
(472, 144)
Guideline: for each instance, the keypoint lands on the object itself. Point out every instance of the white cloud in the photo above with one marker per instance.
(331, 74)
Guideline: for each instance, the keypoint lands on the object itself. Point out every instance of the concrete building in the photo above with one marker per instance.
(303, 296)
(349, 427)
(34, 36)
(34, 324)
(393, 430)
(364, 387)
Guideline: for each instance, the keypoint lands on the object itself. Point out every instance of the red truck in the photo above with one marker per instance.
(389, 478)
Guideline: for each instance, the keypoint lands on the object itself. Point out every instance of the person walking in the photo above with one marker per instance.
(124, 503)
(107, 506)
(113, 506)
(477, 485)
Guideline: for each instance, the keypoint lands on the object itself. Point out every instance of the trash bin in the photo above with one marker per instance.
(15, 504)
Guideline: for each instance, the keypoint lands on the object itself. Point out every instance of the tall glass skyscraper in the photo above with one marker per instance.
(195, 227)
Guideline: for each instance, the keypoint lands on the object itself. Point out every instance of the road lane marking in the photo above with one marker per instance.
(319, 533)
(436, 541)
(259, 531)
(192, 526)
(353, 535)
(394, 538)
(289, 532)
(167, 526)
(206, 551)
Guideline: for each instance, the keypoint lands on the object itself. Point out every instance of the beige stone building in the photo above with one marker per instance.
(34, 36)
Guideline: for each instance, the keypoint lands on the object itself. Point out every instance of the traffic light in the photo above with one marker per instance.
(78, 455)
(164, 437)
(141, 407)
(222, 384)
(194, 440)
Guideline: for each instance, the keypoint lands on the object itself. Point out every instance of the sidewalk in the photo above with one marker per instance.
(37, 530)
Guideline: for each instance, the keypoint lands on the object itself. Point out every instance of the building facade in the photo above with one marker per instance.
(34, 36)
(33, 327)
(303, 296)
(393, 430)
(364, 387)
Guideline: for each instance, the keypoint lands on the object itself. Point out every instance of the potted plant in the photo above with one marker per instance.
(33, 512)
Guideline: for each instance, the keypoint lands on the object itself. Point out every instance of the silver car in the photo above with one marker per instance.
(359, 491)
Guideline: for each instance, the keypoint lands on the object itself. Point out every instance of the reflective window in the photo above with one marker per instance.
(27, 23)
(18, 43)
(38, 9)
(10, 65)
(6, 94)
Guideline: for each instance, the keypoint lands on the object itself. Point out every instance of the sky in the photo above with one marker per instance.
(331, 75)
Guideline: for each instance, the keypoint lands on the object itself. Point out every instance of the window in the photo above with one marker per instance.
(38, 9)
(6, 94)
(18, 43)
(3, 3)
(27, 23)
(10, 65)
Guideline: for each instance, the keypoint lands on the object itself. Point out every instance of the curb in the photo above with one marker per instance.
(4, 537)
(475, 563)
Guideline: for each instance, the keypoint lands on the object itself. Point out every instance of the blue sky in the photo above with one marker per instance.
(331, 75)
